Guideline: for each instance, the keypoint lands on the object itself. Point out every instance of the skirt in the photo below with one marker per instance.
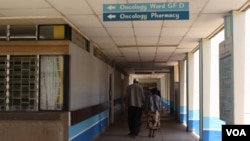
(153, 120)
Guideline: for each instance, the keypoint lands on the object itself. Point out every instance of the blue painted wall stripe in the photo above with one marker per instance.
(212, 135)
(183, 118)
(194, 114)
(92, 132)
(194, 121)
(183, 109)
(78, 129)
(212, 128)
(212, 123)
(195, 126)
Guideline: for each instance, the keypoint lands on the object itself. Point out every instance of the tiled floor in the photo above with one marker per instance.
(171, 130)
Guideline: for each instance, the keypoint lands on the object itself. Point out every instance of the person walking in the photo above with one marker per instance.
(156, 91)
(134, 102)
(153, 107)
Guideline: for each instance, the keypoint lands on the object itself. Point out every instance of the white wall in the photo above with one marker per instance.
(88, 79)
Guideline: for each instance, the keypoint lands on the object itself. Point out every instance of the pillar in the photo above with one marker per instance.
(192, 95)
(210, 124)
(183, 92)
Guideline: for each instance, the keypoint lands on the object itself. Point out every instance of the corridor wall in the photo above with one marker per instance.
(89, 94)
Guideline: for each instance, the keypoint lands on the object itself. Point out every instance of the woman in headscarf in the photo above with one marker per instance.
(153, 106)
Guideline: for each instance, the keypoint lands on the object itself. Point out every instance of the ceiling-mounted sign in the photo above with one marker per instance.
(146, 11)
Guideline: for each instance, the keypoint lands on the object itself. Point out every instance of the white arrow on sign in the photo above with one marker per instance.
(111, 7)
(110, 16)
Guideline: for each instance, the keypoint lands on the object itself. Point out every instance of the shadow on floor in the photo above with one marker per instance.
(171, 130)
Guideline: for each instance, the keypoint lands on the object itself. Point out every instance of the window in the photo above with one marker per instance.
(49, 32)
(22, 92)
(27, 84)
(22, 32)
(3, 32)
(3, 78)
(79, 40)
(51, 82)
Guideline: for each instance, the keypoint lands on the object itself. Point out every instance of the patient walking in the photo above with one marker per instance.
(152, 109)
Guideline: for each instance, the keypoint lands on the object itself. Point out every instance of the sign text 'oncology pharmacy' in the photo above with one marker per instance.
(146, 11)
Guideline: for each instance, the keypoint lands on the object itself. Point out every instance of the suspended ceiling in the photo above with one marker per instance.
(135, 46)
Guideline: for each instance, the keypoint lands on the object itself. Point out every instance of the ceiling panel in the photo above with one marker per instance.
(28, 20)
(181, 51)
(121, 41)
(170, 40)
(147, 41)
(147, 65)
(199, 33)
(147, 58)
(147, 50)
(189, 43)
(68, 7)
(132, 58)
(95, 32)
(150, 24)
(181, 23)
(144, 32)
(29, 13)
(126, 31)
(222, 6)
(129, 50)
(109, 46)
(163, 58)
(96, 5)
(114, 52)
(209, 21)
(25, 4)
(165, 50)
(85, 21)
(196, 6)
(160, 64)
(114, 24)
(166, 31)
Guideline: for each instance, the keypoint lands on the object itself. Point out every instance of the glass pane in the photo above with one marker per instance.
(51, 32)
(3, 76)
(23, 83)
(23, 32)
(78, 39)
(51, 82)
(3, 34)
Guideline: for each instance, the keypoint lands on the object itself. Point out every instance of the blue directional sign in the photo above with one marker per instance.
(146, 11)
(146, 7)
(140, 16)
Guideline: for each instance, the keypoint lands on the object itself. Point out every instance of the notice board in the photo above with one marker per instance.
(226, 81)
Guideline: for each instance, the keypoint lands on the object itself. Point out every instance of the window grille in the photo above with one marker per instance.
(27, 84)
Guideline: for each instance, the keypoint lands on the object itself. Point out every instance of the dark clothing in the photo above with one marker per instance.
(156, 91)
(147, 94)
(134, 102)
(134, 119)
